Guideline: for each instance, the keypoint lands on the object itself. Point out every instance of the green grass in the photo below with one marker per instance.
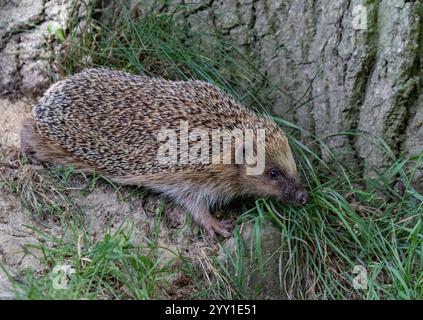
(111, 268)
(349, 221)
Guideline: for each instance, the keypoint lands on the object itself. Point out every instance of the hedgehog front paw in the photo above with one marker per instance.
(221, 227)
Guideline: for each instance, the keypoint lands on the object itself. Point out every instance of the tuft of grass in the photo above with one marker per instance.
(112, 268)
(350, 224)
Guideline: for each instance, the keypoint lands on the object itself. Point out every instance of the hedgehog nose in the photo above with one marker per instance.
(301, 197)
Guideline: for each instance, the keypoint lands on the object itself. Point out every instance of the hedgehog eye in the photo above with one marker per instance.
(274, 174)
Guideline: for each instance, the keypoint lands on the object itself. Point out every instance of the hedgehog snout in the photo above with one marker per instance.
(301, 197)
(291, 190)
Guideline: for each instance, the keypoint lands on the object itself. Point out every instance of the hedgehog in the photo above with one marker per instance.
(109, 122)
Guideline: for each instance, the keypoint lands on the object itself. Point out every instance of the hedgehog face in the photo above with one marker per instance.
(285, 186)
(281, 170)
(280, 178)
(276, 182)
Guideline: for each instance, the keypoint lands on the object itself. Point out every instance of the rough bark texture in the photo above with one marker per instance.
(26, 27)
(340, 75)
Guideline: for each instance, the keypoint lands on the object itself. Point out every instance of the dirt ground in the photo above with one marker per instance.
(13, 235)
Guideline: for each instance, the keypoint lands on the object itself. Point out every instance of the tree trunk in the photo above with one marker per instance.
(26, 30)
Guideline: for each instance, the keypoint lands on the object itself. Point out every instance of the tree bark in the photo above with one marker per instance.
(26, 29)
